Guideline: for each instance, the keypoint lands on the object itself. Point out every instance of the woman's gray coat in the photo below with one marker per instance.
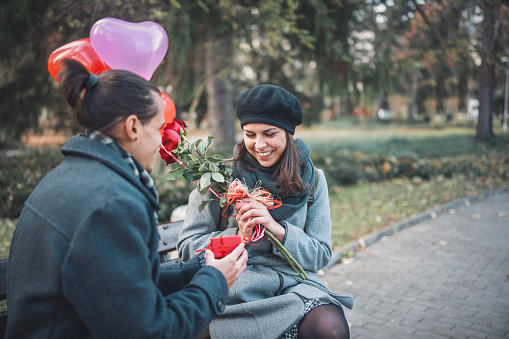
(267, 298)
(83, 261)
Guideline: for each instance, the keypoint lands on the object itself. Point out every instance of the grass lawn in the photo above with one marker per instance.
(367, 206)
(358, 210)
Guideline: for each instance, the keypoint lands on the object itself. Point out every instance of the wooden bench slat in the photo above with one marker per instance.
(3, 281)
(169, 236)
(3, 295)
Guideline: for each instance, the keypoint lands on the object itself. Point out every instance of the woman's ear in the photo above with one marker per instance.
(132, 127)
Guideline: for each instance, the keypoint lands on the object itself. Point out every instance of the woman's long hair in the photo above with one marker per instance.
(287, 173)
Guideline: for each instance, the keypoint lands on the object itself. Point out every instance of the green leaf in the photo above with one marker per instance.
(195, 145)
(218, 177)
(203, 190)
(205, 180)
(209, 141)
(228, 173)
(175, 174)
(204, 167)
(213, 167)
(203, 204)
(191, 175)
(200, 147)
(216, 156)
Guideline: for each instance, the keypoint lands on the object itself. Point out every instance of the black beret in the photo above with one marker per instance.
(271, 105)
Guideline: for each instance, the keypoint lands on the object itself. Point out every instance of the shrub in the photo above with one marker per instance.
(350, 161)
(20, 173)
(343, 173)
(339, 169)
(172, 193)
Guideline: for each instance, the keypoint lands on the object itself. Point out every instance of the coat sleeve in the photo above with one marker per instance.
(108, 277)
(311, 248)
(200, 227)
(175, 274)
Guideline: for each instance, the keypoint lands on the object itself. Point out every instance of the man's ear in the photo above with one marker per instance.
(132, 127)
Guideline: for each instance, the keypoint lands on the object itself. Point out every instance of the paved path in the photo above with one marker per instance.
(446, 277)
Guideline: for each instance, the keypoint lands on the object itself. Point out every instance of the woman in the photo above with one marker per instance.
(83, 261)
(269, 300)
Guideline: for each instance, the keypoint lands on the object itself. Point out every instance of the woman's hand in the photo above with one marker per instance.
(250, 213)
(231, 266)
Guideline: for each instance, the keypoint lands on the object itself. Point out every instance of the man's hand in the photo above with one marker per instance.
(231, 266)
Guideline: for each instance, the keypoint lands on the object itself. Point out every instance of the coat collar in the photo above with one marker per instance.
(85, 147)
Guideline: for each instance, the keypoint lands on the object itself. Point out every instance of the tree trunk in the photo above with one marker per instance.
(218, 51)
(463, 85)
(484, 121)
(440, 90)
(412, 106)
(487, 75)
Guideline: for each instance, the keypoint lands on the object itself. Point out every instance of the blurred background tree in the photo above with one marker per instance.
(30, 30)
(434, 57)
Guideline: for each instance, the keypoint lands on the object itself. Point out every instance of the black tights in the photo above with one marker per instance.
(324, 321)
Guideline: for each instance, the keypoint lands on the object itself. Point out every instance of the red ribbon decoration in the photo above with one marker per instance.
(237, 191)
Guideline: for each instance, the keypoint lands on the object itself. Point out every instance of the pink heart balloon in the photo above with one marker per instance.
(136, 47)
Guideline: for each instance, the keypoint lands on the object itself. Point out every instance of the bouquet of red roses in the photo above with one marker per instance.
(208, 170)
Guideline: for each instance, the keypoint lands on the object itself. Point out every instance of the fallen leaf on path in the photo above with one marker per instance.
(347, 261)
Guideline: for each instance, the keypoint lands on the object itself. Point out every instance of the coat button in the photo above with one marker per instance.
(220, 306)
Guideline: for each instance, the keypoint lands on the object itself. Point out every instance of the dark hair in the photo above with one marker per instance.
(287, 173)
(117, 95)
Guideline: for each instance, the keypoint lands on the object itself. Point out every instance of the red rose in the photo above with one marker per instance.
(170, 138)
(176, 125)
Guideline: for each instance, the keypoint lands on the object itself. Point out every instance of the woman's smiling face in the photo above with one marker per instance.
(264, 142)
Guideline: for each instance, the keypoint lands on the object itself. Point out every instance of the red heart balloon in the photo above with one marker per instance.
(169, 109)
(79, 50)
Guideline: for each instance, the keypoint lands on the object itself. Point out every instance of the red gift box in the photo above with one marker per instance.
(223, 246)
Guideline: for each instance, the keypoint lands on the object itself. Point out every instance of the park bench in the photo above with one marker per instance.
(169, 235)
